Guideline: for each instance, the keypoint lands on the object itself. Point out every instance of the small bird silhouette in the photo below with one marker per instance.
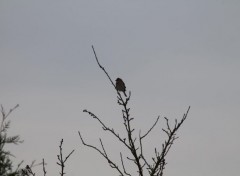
(120, 86)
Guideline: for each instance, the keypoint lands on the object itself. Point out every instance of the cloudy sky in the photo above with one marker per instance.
(171, 54)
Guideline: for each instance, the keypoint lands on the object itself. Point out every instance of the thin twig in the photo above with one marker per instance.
(62, 161)
(104, 154)
(102, 67)
(44, 170)
(5, 115)
(105, 128)
(160, 163)
(123, 165)
(140, 141)
(150, 128)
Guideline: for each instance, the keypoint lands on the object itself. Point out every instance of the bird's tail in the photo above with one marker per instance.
(125, 94)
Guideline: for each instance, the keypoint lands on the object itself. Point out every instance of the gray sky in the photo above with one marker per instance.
(171, 54)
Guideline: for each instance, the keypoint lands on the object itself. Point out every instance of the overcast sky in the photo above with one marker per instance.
(171, 54)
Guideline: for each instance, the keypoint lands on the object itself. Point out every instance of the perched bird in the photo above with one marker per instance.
(120, 86)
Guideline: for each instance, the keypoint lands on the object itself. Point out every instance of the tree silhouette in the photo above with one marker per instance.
(134, 143)
(6, 165)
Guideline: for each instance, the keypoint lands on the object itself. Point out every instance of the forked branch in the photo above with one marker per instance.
(105, 128)
(159, 161)
(103, 153)
(62, 160)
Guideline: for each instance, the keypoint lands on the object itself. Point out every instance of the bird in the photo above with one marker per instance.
(120, 86)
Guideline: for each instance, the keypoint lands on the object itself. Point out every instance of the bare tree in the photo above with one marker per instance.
(27, 171)
(133, 143)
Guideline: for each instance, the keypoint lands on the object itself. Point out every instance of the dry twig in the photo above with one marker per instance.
(62, 161)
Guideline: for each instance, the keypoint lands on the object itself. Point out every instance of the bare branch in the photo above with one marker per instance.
(120, 97)
(141, 150)
(102, 67)
(140, 141)
(5, 115)
(105, 128)
(168, 126)
(44, 170)
(123, 165)
(104, 154)
(160, 162)
(62, 161)
(19, 165)
(150, 129)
